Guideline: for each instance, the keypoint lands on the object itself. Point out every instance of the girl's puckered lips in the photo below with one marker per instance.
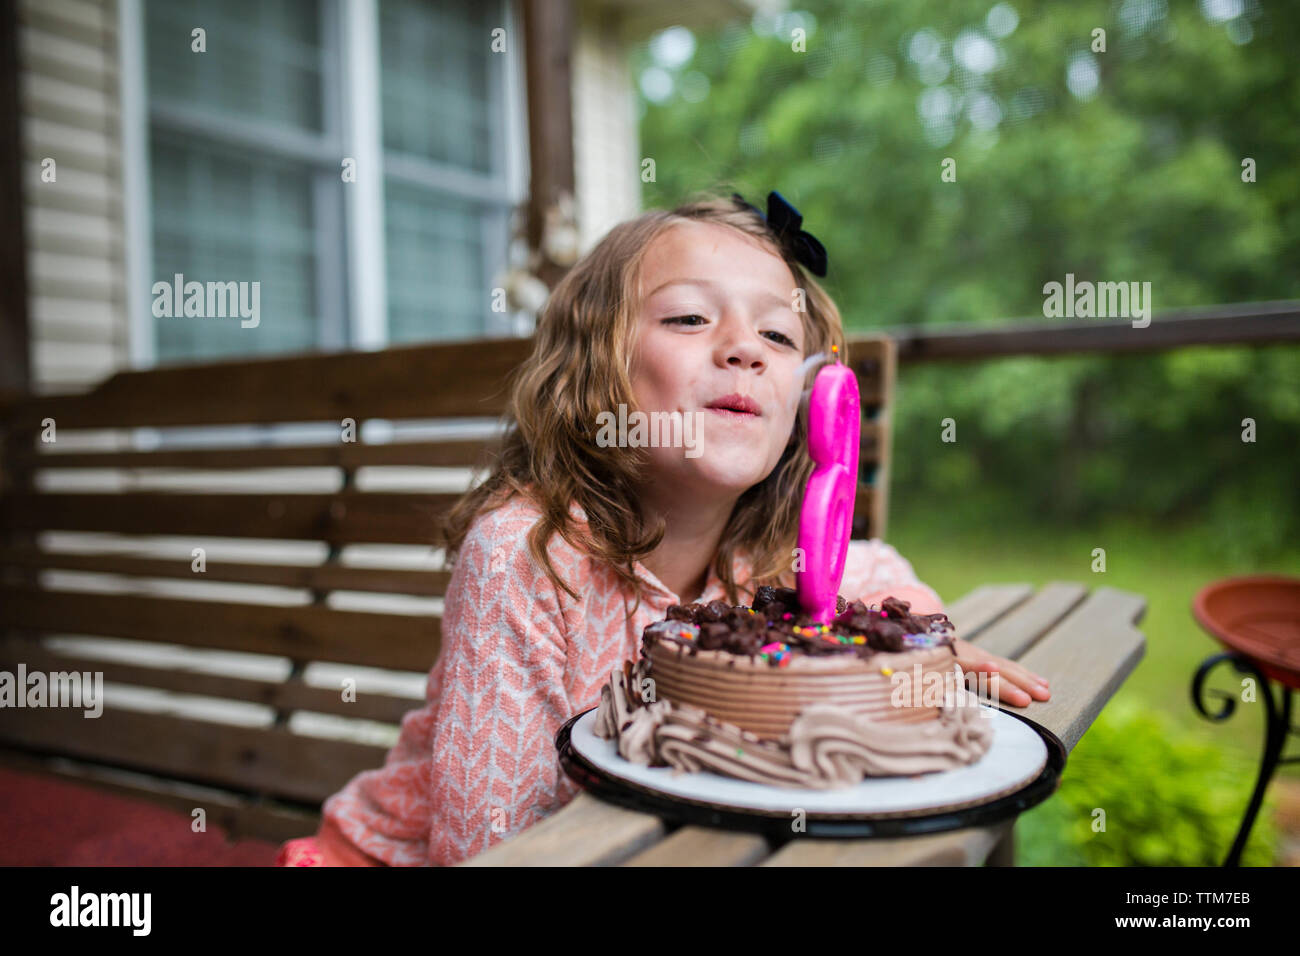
(736, 403)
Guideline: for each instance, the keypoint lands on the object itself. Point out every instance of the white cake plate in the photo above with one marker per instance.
(1020, 769)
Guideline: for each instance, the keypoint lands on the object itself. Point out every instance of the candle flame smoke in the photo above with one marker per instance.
(801, 374)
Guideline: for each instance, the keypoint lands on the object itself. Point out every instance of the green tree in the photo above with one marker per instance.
(1122, 165)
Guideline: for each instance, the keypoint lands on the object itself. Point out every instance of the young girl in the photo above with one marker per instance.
(570, 547)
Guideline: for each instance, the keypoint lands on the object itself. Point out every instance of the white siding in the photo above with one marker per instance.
(605, 138)
(68, 84)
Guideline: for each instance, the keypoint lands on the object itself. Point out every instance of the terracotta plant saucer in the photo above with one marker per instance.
(1258, 616)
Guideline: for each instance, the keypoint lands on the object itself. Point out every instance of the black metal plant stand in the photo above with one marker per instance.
(1277, 729)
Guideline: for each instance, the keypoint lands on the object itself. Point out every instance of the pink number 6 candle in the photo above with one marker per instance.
(826, 520)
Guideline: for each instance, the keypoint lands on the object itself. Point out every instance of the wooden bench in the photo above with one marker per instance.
(112, 561)
(1085, 643)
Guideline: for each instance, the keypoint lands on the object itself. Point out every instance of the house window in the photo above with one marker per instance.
(445, 230)
(246, 144)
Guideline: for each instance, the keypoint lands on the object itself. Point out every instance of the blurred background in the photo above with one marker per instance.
(1122, 165)
(1129, 140)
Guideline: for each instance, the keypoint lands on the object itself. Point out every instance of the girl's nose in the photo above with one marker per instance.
(745, 357)
(740, 347)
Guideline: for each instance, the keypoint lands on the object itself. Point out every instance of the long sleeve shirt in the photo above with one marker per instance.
(477, 763)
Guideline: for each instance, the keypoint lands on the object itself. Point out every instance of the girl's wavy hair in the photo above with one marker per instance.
(580, 366)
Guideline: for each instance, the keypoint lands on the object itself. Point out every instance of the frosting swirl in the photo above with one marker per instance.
(826, 746)
(832, 706)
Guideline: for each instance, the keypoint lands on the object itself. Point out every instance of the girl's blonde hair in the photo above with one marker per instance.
(581, 366)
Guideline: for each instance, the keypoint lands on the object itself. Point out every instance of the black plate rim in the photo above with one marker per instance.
(778, 824)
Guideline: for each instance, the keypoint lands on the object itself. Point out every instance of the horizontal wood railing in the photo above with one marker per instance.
(1254, 324)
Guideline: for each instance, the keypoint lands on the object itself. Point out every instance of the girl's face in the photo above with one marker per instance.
(717, 330)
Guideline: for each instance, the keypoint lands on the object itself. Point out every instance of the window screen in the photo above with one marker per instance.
(222, 216)
(245, 144)
(436, 72)
(222, 210)
(436, 286)
(442, 113)
(262, 59)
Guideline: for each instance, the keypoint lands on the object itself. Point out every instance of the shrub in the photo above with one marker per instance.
(1169, 798)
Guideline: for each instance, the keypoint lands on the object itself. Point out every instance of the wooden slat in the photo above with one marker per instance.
(969, 847)
(292, 694)
(238, 815)
(704, 846)
(320, 577)
(348, 517)
(872, 358)
(1086, 657)
(975, 611)
(880, 467)
(585, 832)
(1252, 323)
(445, 380)
(270, 760)
(863, 512)
(875, 361)
(869, 445)
(1011, 635)
(312, 632)
(442, 454)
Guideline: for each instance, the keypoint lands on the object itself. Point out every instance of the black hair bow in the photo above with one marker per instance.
(786, 222)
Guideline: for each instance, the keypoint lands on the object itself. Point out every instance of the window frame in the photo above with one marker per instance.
(350, 222)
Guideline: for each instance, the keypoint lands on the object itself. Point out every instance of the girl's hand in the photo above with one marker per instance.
(1008, 681)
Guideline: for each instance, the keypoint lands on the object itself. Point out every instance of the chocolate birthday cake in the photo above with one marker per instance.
(766, 694)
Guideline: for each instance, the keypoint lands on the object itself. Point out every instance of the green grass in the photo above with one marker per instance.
(1175, 788)
(1167, 568)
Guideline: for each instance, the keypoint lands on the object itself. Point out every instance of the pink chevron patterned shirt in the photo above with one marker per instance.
(477, 763)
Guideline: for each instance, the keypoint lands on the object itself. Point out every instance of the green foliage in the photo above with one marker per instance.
(1075, 441)
(1169, 800)
(1139, 180)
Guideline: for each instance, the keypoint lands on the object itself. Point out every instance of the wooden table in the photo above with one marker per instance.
(1085, 642)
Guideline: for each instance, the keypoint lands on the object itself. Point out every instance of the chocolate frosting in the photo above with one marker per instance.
(823, 716)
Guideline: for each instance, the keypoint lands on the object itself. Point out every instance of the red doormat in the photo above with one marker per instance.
(45, 821)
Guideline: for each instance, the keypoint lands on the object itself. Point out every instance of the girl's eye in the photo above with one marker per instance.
(781, 337)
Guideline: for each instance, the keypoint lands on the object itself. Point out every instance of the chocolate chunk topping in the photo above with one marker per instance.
(776, 617)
